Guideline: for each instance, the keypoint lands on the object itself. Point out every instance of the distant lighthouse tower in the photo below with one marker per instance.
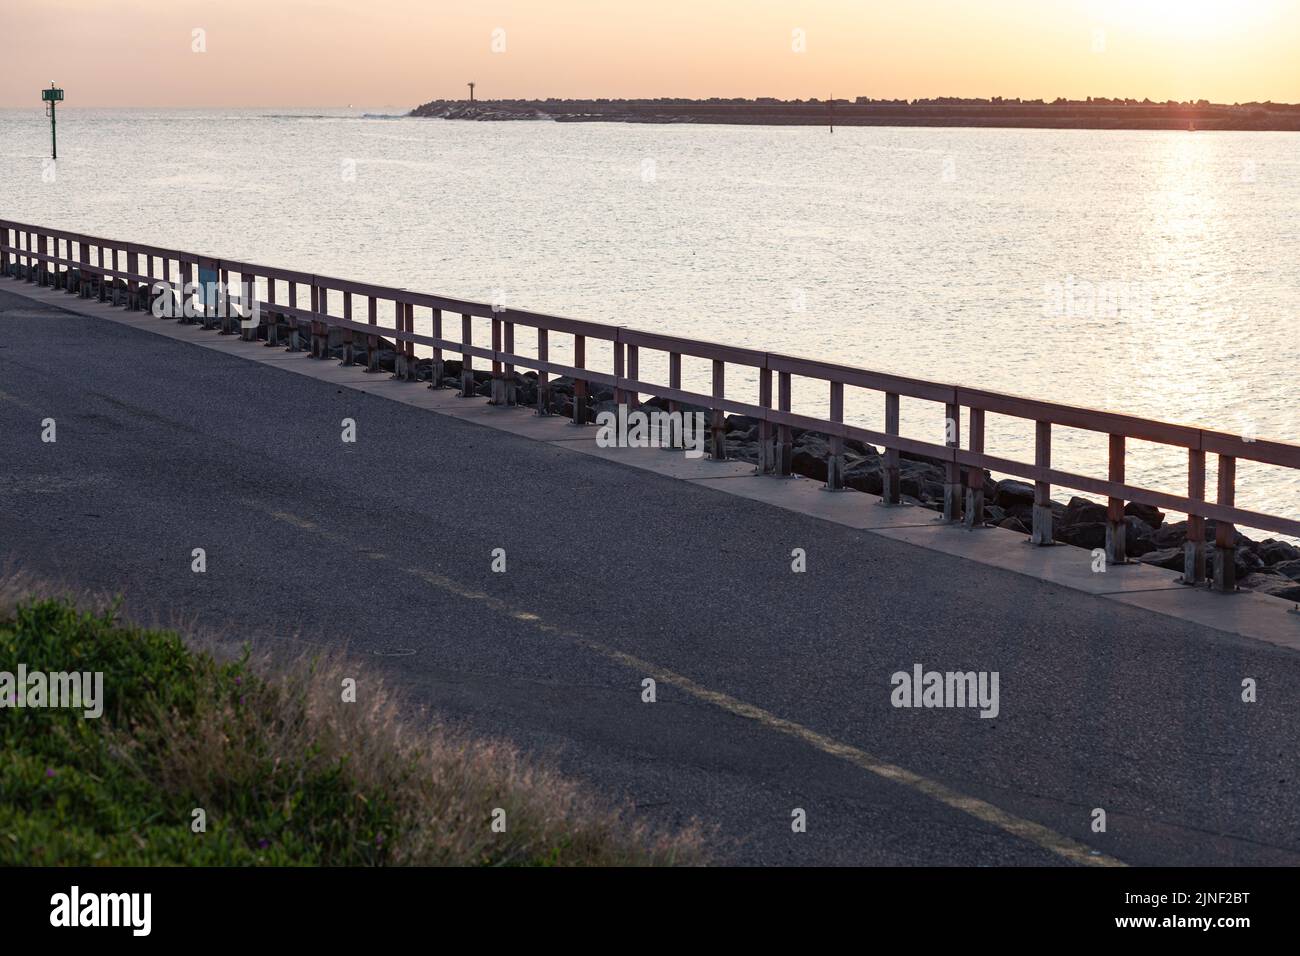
(471, 92)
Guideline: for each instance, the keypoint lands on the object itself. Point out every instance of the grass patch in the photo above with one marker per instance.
(286, 772)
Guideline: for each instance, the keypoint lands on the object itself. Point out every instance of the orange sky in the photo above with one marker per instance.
(403, 52)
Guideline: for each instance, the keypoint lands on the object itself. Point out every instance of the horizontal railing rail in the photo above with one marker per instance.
(134, 274)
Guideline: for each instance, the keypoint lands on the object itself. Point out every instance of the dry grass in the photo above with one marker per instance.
(445, 783)
(286, 770)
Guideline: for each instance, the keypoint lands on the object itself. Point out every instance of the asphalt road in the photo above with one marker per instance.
(774, 687)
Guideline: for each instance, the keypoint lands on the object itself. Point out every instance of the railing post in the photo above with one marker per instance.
(248, 307)
(675, 381)
(313, 296)
(466, 360)
(1225, 532)
(132, 285)
(349, 344)
(889, 480)
(580, 384)
(1042, 530)
(435, 370)
(497, 395)
(223, 302)
(115, 287)
(620, 371)
(405, 348)
(103, 275)
(1116, 529)
(237, 313)
(766, 451)
(320, 330)
(835, 455)
(952, 471)
(166, 285)
(372, 341)
(188, 277)
(508, 370)
(272, 317)
(295, 323)
(784, 434)
(718, 418)
(1194, 547)
(543, 376)
(222, 323)
(631, 396)
(975, 474)
(409, 308)
(399, 347)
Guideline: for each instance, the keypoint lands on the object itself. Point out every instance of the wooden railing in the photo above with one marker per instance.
(135, 275)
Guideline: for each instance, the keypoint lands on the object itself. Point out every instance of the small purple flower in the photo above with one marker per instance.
(238, 680)
(263, 843)
(49, 771)
(379, 839)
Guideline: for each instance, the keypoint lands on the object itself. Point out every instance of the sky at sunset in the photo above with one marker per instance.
(333, 53)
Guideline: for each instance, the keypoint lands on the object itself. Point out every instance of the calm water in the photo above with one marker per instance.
(1147, 272)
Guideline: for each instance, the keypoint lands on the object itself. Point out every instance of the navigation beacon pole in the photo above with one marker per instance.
(50, 97)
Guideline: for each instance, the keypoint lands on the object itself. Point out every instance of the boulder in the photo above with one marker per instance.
(867, 479)
(1288, 569)
(1081, 534)
(1010, 493)
(1082, 511)
(1271, 551)
(742, 423)
(1139, 538)
(805, 462)
(1148, 513)
(1171, 558)
(1272, 584)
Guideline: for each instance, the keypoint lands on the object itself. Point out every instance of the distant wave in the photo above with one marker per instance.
(323, 116)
